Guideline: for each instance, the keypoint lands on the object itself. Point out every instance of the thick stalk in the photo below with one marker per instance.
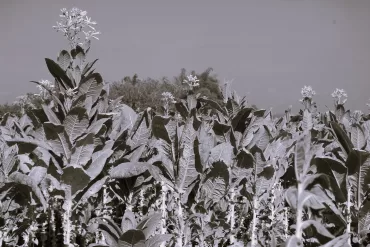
(232, 216)
(141, 202)
(163, 210)
(180, 222)
(349, 219)
(67, 226)
(286, 223)
(299, 217)
(254, 222)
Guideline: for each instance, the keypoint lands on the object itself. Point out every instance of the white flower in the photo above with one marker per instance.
(45, 84)
(167, 97)
(338, 94)
(70, 92)
(307, 92)
(192, 81)
(73, 21)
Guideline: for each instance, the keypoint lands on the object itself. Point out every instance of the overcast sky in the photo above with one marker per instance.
(270, 48)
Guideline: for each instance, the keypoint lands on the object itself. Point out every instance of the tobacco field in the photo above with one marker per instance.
(85, 170)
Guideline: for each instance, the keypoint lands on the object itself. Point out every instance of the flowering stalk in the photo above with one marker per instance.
(307, 94)
(192, 82)
(72, 24)
(167, 99)
(338, 94)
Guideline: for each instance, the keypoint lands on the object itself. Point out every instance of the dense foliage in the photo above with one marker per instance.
(87, 170)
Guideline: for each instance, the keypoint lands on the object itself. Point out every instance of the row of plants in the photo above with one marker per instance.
(86, 170)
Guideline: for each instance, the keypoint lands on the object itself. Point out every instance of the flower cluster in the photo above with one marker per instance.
(307, 92)
(167, 97)
(192, 81)
(44, 87)
(73, 21)
(338, 94)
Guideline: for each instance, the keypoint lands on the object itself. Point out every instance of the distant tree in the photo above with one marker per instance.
(10, 108)
(140, 94)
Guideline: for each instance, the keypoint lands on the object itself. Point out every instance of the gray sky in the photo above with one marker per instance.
(270, 48)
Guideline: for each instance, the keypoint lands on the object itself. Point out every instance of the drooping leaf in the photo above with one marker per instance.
(76, 177)
(98, 163)
(128, 169)
(157, 240)
(128, 221)
(149, 223)
(132, 238)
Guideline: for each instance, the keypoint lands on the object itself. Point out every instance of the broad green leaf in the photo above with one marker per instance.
(76, 177)
(83, 150)
(149, 223)
(51, 115)
(358, 164)
(92, 86)
(141, 131)
(110, 227)
(91, 190)
(213, 104)
(75, 123)
(20, 178)
(59, 74)
(336, 171)
(157, 240)
(358, 137)
(319, 228)
(293, 241)
(261, 138)
(182, 109)
(159, 128)
(88, 66)
(186, 167)
(98, 163)
(215, 183)
(128, 169)
(307, 122)
(222, 152)
(128, 221)
(37, 174)
(58, 139)
(342, 138)
(132, 238)
(29, 144)
(64, 59)
(238, 122)
(301, 162)
(96, 126)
